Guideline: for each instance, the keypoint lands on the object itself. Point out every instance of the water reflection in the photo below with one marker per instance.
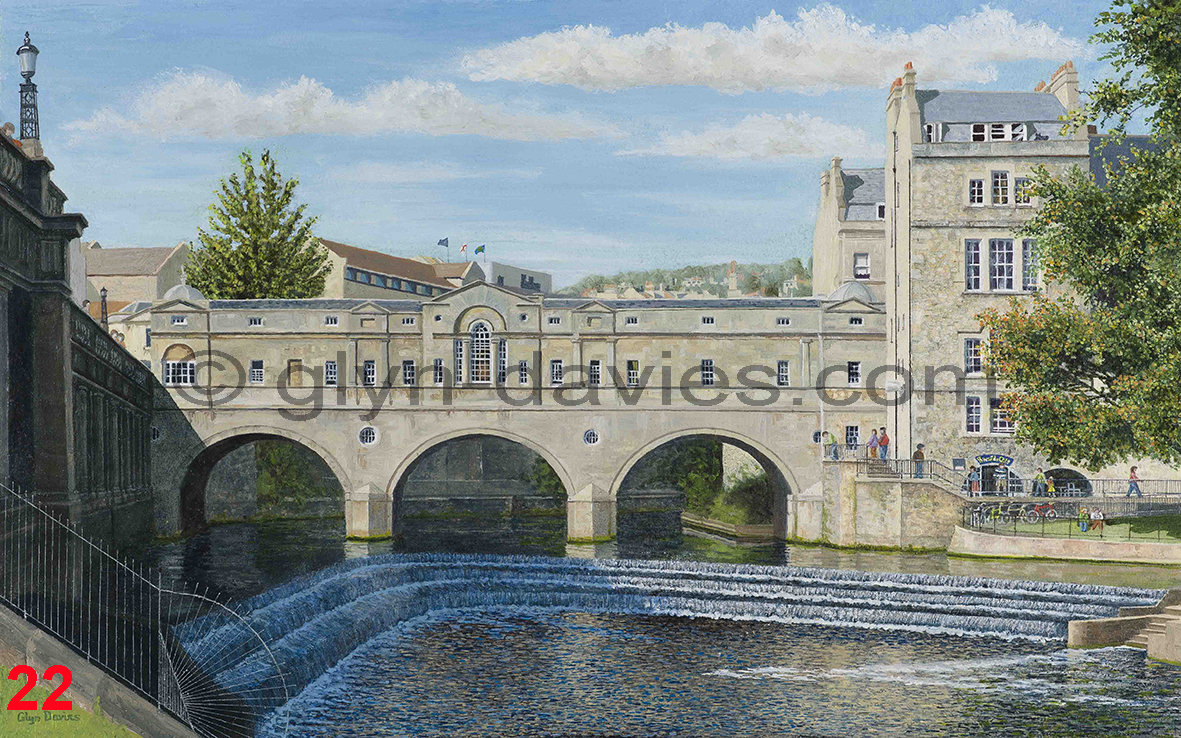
(244, 559)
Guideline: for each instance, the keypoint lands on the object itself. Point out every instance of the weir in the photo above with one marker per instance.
(314, 622)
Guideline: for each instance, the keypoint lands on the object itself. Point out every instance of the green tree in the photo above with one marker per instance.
(1096, 369)
(259, 244)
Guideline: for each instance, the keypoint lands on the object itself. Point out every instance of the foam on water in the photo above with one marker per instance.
(316, 622)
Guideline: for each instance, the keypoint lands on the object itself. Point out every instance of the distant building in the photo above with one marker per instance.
(131, 274)
(513, 277)
(460, 273)
(849, 241)
(358, 272)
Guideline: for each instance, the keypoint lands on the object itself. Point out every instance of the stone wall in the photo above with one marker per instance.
(851, 510)
(979, 543)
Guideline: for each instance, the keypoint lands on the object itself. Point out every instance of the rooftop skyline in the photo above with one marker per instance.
(571, 137)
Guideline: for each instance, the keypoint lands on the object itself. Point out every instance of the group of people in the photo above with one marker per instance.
(1092, 521)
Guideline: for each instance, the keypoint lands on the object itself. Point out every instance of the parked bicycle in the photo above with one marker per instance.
(1040, 511)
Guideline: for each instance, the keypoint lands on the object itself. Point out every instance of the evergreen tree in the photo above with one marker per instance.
(258, 245)
(1095, 371)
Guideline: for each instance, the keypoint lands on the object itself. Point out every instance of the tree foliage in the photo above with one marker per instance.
(258, 244)
(1096, 367)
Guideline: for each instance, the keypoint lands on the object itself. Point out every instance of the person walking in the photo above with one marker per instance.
(1039, 483)
(834, 448)
(1133, 483)
(1083, 519)
(973, 481)
(873, 443)
(920, 460)
(883, 445)
(1050, 491)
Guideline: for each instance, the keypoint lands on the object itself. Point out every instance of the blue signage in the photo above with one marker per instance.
(994, 460)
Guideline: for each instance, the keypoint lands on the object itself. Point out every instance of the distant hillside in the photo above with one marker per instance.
(763, 278)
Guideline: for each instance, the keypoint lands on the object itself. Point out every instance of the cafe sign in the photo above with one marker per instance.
(994, 460)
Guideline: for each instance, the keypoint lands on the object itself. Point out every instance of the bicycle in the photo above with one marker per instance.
(1039, 511)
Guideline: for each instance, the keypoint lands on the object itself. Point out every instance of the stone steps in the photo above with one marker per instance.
(1155, 626)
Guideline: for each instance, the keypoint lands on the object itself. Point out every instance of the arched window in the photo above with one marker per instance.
(481, 354)
(180, 366)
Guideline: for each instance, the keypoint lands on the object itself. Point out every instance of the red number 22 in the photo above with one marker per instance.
(52, 703)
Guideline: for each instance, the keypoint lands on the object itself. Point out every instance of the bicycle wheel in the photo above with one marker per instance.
(1031, 517)
(1051, 514)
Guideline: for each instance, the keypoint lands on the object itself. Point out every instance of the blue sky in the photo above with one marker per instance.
(575, 137)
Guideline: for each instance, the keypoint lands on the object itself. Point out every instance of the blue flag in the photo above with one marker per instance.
(479, 249)
(442, 241)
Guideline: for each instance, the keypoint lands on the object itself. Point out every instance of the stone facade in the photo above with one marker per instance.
(950, 249)
(373, 435)
(74, 429)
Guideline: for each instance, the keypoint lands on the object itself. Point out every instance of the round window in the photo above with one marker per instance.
(367, 436)
(438, 318)
(591, 437)
(524, 317)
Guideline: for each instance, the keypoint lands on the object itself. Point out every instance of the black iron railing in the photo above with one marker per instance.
(1136, 519)
(169, 646)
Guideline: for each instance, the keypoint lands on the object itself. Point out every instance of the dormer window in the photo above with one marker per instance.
(978, 132)
(931, 133)
(999, 132)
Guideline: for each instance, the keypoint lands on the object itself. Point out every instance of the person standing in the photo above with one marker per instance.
(1039, 483)
(1133, 483)
(834, 448)
(973, 481)
(1097, 520)
(1083, 519)
(919, 459)
(873, 443)
(1050, 491)
(883, 445)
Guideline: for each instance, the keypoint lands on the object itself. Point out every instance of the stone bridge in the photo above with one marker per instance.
(243, 371)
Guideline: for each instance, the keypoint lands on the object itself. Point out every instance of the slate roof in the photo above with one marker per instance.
(864, 189)
(126, 261)
(395, 266)
(1113, 152)
(962, 106)
(315, 304)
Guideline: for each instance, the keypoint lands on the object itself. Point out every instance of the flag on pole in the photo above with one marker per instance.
(479, 249)
(463, 249)
(443, 242)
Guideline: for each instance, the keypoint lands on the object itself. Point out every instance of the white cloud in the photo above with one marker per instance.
(203, 104)
(374, 172)
(823, 48)
(766, 137)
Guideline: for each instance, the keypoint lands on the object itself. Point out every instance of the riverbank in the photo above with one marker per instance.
(969, 542)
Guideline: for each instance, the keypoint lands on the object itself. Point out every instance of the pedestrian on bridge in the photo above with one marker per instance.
(919, 459)
(1039, 483)
(883, 445)
(874, 443)
(1133, 483)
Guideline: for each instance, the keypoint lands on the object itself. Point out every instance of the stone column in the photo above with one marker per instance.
(368, 513)
(53, 426)
(590, 515)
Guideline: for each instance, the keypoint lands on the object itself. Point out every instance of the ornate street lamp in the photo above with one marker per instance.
(103, 308)
(27, 54)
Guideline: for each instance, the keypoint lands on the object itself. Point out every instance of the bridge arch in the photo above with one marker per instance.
(783, 479)
(198, 466)
(404, 467)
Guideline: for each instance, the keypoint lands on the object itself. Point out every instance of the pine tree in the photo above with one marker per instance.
(258, 244)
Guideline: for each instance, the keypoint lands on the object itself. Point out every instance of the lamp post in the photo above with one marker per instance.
(27, 53)
(103, 307)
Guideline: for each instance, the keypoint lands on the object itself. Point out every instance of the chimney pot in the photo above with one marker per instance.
(909, 65)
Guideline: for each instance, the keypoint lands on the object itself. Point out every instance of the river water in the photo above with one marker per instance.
(529, 645)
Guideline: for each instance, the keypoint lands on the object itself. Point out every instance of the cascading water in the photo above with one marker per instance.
(314, 622)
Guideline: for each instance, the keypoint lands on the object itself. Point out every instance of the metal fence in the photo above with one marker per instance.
(1135, 519)
(174, 648)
